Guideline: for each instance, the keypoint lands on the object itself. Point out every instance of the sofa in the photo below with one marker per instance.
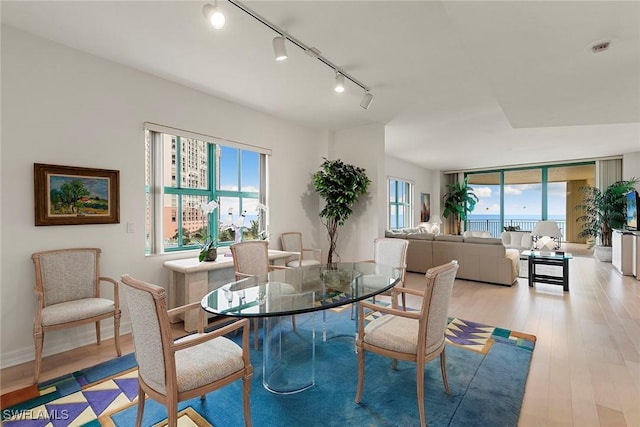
(481, 259)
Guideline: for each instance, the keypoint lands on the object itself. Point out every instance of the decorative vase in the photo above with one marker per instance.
(212, 254)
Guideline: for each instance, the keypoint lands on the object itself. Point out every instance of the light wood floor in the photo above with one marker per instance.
(586, 365)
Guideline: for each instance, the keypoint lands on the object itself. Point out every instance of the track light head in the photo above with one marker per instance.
(214, 15)
(280, 48)
(339, 83)
(366, 100)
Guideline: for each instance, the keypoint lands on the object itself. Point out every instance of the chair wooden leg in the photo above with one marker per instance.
(360, 374)
(38, 338)
(98, 332)
(404, 299)
(246, 393)
(172, 419)
(443, 368)
(420, 393)
(116, 333)
(141, 400)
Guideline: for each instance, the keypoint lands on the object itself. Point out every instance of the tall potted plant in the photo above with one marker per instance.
(602, 212)
(340, 185)
(459, 201)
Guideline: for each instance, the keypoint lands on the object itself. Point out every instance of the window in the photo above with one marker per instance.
(521, 197)
(185, 170)
(400, 206)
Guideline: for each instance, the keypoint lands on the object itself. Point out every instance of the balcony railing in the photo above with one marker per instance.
(494, 227)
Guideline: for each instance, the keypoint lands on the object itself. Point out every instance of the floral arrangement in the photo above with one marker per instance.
(209, 243)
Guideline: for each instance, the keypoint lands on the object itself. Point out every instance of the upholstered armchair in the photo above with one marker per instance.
(393, 252)
(173, 371)
(251, 258)
(413, 336)
(292, 242)
(68, 294)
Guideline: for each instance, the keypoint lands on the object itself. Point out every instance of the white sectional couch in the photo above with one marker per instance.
(482, 259)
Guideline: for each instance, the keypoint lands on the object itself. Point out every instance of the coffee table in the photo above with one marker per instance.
(556, 259)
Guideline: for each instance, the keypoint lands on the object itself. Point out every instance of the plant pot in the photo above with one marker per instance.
(212, 254)
(603, 253)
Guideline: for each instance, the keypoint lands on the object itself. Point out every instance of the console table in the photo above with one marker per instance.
(556, 259)
(190, 280)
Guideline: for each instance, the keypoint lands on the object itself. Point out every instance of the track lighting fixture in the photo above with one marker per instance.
(339, 83)
(366, 100)
(214, 15)
(279, 48)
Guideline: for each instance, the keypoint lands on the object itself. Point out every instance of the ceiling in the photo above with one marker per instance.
(458, 85)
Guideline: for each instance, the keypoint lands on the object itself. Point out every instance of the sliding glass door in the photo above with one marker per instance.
(518, 198)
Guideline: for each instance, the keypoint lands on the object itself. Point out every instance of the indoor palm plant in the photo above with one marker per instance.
(459, 201)
(602, 212)
(340, 185)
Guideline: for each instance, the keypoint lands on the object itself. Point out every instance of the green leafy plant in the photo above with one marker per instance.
(603, 211)
(459, 201)
(340, 185)
(205, 247)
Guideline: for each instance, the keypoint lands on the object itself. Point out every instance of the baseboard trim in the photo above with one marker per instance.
(60, 344)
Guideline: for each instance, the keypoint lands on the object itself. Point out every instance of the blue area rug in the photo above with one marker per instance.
(487, 369)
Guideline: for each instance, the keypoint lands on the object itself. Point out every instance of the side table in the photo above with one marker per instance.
(555, 259)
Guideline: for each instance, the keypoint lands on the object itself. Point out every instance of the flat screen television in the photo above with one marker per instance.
(632, 210)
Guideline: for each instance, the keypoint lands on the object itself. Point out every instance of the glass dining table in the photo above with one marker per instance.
(287, 301)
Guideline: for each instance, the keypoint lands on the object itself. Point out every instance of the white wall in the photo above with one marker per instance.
(425, 181)
(362, 146)
(61, 106)
(631, 166)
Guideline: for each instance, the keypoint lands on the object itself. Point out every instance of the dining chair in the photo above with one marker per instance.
(173, 371)
(251, 258)
(392, 252)
(292, 242)
(68, 294)
(413, 336)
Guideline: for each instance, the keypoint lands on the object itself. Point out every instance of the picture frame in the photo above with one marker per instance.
(425, 207)
(70, 195)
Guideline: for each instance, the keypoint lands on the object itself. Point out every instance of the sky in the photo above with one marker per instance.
(521, 200)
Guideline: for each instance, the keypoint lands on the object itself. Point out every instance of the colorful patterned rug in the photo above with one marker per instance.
(106, 394)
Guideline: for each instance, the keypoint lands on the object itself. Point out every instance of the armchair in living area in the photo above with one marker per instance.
(412, 336)
(68, 294)
(173, 371)
(292, 242)
(546, 235)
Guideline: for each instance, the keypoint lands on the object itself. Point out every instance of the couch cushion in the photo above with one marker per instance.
(395, 233)
(483, 240)
(449, 238)
(421, 236)
(476, 234)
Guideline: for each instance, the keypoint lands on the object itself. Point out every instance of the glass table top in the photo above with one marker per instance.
(300, 290)
(546, 254)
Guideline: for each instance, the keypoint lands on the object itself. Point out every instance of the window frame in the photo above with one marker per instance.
(155, 190)
(396, 205)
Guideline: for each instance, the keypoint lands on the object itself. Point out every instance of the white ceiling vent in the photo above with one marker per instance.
(600, 46)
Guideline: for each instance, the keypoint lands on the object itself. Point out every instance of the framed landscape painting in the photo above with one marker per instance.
(69, 195)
